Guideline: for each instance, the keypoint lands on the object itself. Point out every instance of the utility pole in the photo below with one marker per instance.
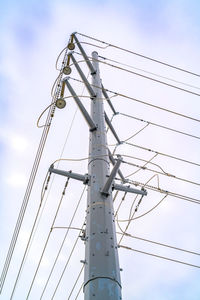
(102, 272)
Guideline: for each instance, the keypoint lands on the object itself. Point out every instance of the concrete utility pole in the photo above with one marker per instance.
(102, 272)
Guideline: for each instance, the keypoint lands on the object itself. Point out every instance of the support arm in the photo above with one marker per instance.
(81, 106)
(90, 66)
(86, 82)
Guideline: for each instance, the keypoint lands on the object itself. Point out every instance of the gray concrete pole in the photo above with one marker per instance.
(102, 273)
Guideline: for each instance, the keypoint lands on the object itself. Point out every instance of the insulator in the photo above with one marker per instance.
(60, 103)
(67, 70)
(71, 46)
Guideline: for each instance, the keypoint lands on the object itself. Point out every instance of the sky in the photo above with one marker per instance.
(32, 34)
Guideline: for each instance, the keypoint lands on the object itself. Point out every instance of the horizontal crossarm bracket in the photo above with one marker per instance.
(81, 106)
(85, 178)
(127, 189)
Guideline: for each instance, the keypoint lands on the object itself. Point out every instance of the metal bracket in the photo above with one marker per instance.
(113, 163)
(86, 82)
(108, 100)
(123, 188)
(80, 105)
(112, 128)
(109, 182)
(85, 178)
(90, 66)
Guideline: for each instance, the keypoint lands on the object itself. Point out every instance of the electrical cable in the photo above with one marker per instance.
(64, 239)
(145, 71)
(164, 154)
(149, 161)
(140, 55)
(44, 189)
(29, 187)
(47, 240)
(158, 172)
(162, 257)
(136, 133)
(138, 69)
(72, 251)
(141, 101)
(76, 282)
(161, 126)
(79, 291)
(129, 222)
(162, 191)
(38, 120)
(150, 78)
(146, 77)
(159, 244)
(144, 214)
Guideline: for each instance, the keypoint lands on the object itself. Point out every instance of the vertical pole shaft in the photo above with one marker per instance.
(102, 273)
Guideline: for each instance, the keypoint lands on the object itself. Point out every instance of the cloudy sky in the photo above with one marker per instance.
(32, 35)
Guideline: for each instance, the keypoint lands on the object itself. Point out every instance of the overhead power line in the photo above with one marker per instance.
(30, 184)
(141, 101)
(159, 256)
(140, 55)
(47, 240)
(164, 154)
(162, 191)
(142, 70)
(159, 244)
(161, 126)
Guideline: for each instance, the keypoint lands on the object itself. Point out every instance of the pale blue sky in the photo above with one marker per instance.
(31, 34)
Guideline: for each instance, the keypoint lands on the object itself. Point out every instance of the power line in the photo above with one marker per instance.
(31, 181)
(140, 55)
(161, 126)
(150, 78)
(44, 189)
(164, 77)
(68, 260)
(48, 237)
(158, 243)
(162, 191)
(141, 101)
(144, 214)
(79, 274)
(158, 172)
(64, 239)
(158, 256)
(164, 154)
(139, 69)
